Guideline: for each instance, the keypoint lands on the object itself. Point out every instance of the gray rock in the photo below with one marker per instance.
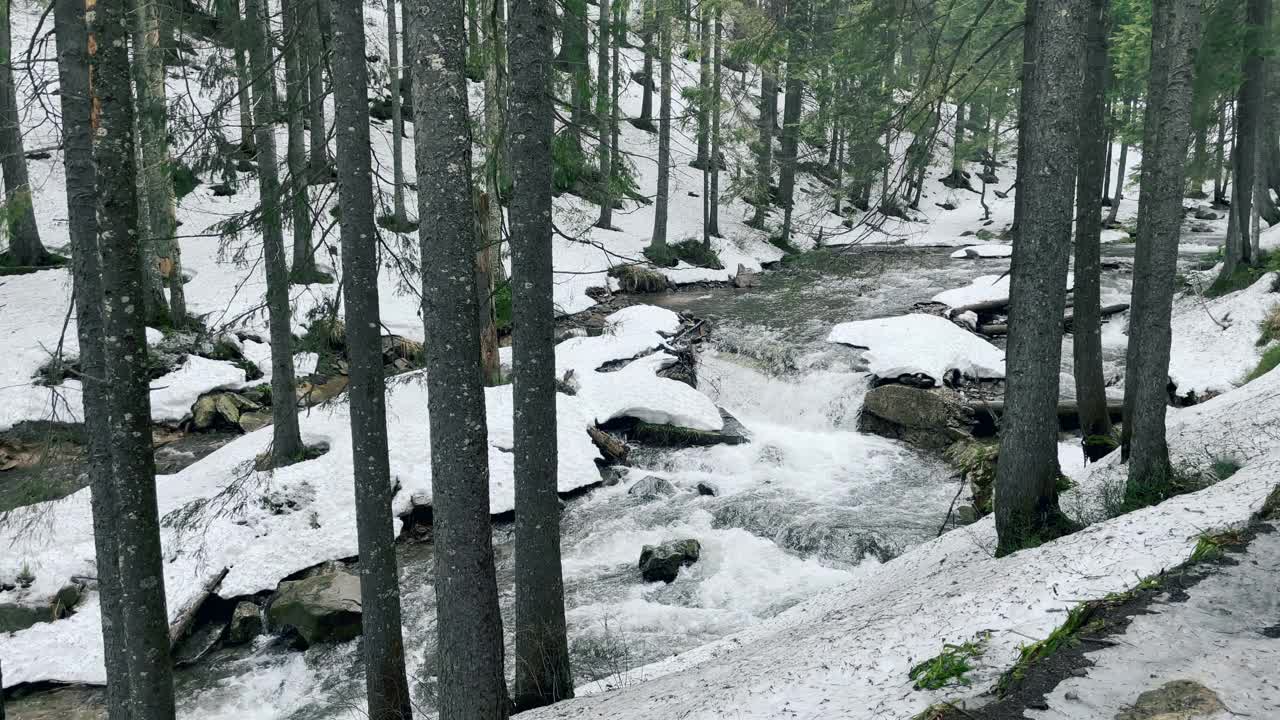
(708, 488)
(663, 562)
(66, 600)
(198, 643)
(651, 487)
(321, 608)
(1206, 214)
(1175, 700)
(745, 278)
(930, 418)
(221, 411)
(246, 623)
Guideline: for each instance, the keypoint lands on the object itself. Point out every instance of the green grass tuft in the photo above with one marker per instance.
(696, 254)
(1270, 359)
(1244, 276)
(950, 667)
(663, 255)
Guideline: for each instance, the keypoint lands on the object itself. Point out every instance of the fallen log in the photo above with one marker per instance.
(999, 329)
(187, 614)
(1068, 413)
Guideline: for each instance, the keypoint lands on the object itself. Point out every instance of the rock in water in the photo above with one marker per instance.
(652, 487)
(744, 278)
(932, 418)
(707, 488)
(663, 562)
(246, 623)
(321, 608)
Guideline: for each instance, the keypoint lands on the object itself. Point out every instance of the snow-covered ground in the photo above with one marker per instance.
(921, 344)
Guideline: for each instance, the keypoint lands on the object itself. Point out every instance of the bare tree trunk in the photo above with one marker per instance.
(658, 243)
(1175, 35)
(645, 120)
(400, 220)
(497, 176)
(1091, 396)
(286, 445)
(764, 151)
(385, 679)
(1219, 156)
(1249, 119)
(295, 72)
(318, 31)
(470, 650)
(244, 83)
(704, 90)
(604, 118)
(86, 268)
(714, 222)
(1114, 212)
(25, 248)
(796, 47)
(143, 615)
(1027, 474)
(543, 674)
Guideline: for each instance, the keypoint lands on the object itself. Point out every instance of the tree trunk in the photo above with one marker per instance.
(244, 82)
(1121, 169)
(286, 444)
(25, 248)
(573, 62)
(303, 270)
(1219, 156)
(498, 158)
(385, 679)
(1176, 32)
(470, 650)
(659, 239)
(143, 616)
(1249, 118)
(646, 34)
(399, 218)
(542, 668)
(1110, 141)
(1091, 393)
(704, 90)
(318, 31)
(86, 270)
(794, 97)
(1027, 475)
(604, 117)
(957, 149)
(764, 149)
(714, 222)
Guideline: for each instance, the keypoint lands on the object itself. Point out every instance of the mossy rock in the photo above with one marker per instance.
(638, 279)
(321, 608)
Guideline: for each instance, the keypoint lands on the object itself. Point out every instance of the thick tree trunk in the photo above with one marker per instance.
(303, 270)
(25, 247)
(542, 673)
(286, 445)
(86, 270)
(470, 651)
(1027, 475)
(604, 117)
(1176, 34)
(714, 221)
(1091, 393)
(143, 615)
(659, 239)
(385, 678)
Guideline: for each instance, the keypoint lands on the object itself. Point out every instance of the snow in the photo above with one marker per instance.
(172, 394)
(1215, 340)
(978, 252)
(920, 344)
(987, 288)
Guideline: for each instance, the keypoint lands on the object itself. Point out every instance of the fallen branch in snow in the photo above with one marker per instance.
(997, 329)
(187, 614)
(1068, 411)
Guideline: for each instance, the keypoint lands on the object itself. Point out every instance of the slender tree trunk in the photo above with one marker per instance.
(659, 239)
(957, 149)
(1121, 170)
(1219, 156)
(244, 83)
(295, 71)
(1091, 396)
(573, 62)
(714, 222)
(704, 89)
(137, 525)
(86, 268)
(1249, 117)
(286, 445)
(498, 159)
(764, 151)
(1176, 33)
(399, 217)
(470, 651)
(25, 247)
(542, 673)
(1026, 481)
(796, 18)
(318, 31)
(1110, 141)
(646, 34)
(604, 118)
(385, 679)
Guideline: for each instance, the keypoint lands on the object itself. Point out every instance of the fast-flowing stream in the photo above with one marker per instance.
(808, 503)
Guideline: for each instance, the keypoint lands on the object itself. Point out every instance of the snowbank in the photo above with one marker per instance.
(978, 252)
(920, 344)
(1215, 340)
(987, 288)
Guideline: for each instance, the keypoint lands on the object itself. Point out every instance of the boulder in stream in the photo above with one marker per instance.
(928, 418)
(663, 562)
(652, 487)
(321, 608)
(246, 623)
(745, 278)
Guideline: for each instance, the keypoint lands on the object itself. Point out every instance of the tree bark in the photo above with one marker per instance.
(794, 97)
(385, 679)
(714, 221)
(397, 119)
(286, 445)
(1249, 116)
(704, 89)
(768, 113)
(659, 239)
(145, 623)
(542, 673)
(303, 270)
(25, 248)
(318, 28)
(469, 625)
(1091, 393)
(604, 118)
(86, 269)
(244, 82)
(646, 35)
(1219, 157)
(1175, 32)
(1026, 493)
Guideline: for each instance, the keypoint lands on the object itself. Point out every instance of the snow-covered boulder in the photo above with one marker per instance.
(984, 289)
(980, 252)
(322, 608)
(919, 344)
